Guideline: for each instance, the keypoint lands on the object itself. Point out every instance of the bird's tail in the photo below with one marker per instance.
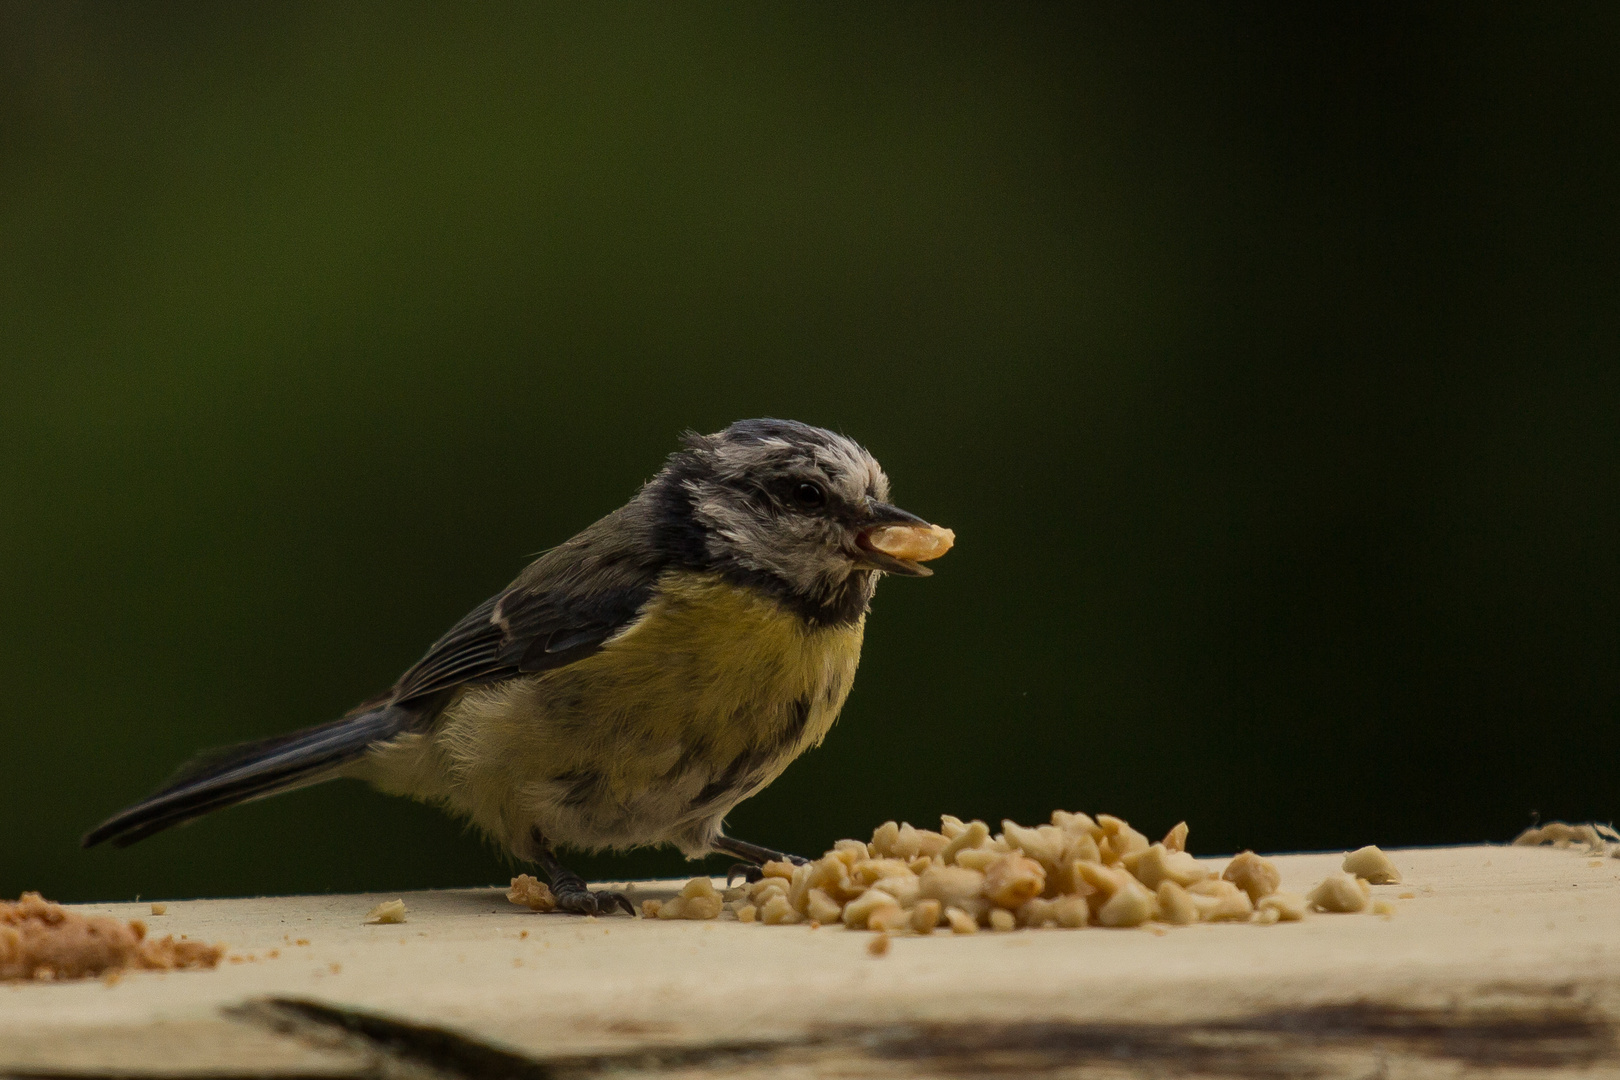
(252, 770)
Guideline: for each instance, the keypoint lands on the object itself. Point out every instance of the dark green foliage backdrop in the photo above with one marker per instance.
(1264, 361)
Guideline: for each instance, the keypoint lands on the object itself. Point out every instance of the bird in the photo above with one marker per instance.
(631, 685)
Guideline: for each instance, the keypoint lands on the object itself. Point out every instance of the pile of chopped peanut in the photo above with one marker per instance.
(1077, 871)
(44, 941)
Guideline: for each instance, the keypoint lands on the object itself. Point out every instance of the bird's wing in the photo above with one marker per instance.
(520, 631)
(561, 609)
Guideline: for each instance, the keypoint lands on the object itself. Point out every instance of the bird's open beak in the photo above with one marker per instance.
(896, 542)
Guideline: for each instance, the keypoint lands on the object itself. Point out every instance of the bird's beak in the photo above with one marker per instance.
(897, 542)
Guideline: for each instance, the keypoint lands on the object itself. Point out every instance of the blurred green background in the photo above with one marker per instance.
(1263, 359)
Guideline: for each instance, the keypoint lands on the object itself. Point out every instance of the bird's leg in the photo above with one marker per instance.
(569, 888)
(757, 856)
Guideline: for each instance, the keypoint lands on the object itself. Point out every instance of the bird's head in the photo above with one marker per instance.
(798, 507)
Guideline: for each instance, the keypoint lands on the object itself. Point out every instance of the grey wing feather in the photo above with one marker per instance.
(562, 609)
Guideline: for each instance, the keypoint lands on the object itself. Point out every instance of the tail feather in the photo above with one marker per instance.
(251, 771)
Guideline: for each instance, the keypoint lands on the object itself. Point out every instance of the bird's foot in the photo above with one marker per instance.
(572, 894)
(583, 901)
(755, 855)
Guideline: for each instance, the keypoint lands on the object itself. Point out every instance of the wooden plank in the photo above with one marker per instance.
(1504, 959)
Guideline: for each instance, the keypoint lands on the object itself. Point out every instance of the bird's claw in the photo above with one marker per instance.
(601, 902)
(747, 871)
(751, 872)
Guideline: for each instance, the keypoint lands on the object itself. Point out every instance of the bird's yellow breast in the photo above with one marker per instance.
(700, 702)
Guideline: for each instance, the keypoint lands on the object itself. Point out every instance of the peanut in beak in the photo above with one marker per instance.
(914, 543)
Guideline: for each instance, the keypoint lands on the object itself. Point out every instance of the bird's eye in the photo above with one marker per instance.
(808, 494)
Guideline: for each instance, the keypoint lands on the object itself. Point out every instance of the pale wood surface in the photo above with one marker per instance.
(1491, 931)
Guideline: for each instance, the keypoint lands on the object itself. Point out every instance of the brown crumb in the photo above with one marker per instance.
(879, 945)
(45, 941)
(523, 934)
(529, 891)
(335, 968)
(302, 941)
(160, 909)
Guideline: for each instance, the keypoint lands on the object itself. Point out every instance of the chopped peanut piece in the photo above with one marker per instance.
(1176, 906)
(747, 913)
(1221, 901)
(961, 922)
(925, 916)
(764, 887)
(950, 885)
(1158, 863)
(858, 910)
(1340, 893)
(699, 887)
(1256, 876)
(850, 851)
(1281, 907)
(1070, 912)
(1002, 920)
(389, 911)
(974, 834)
(778, 912)
(1013, 879)
(904, 889)
(1076, 824)
(885, 919)
(1373, 865)
(879, 946)
(822, 907)
(1176, 838)
(1131, 905)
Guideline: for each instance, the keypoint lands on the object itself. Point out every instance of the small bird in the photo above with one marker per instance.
(633, 684)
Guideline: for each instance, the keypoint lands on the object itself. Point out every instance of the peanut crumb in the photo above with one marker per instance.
(1373, 865)
(389, 911)
(46, 942)
(529, 891)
